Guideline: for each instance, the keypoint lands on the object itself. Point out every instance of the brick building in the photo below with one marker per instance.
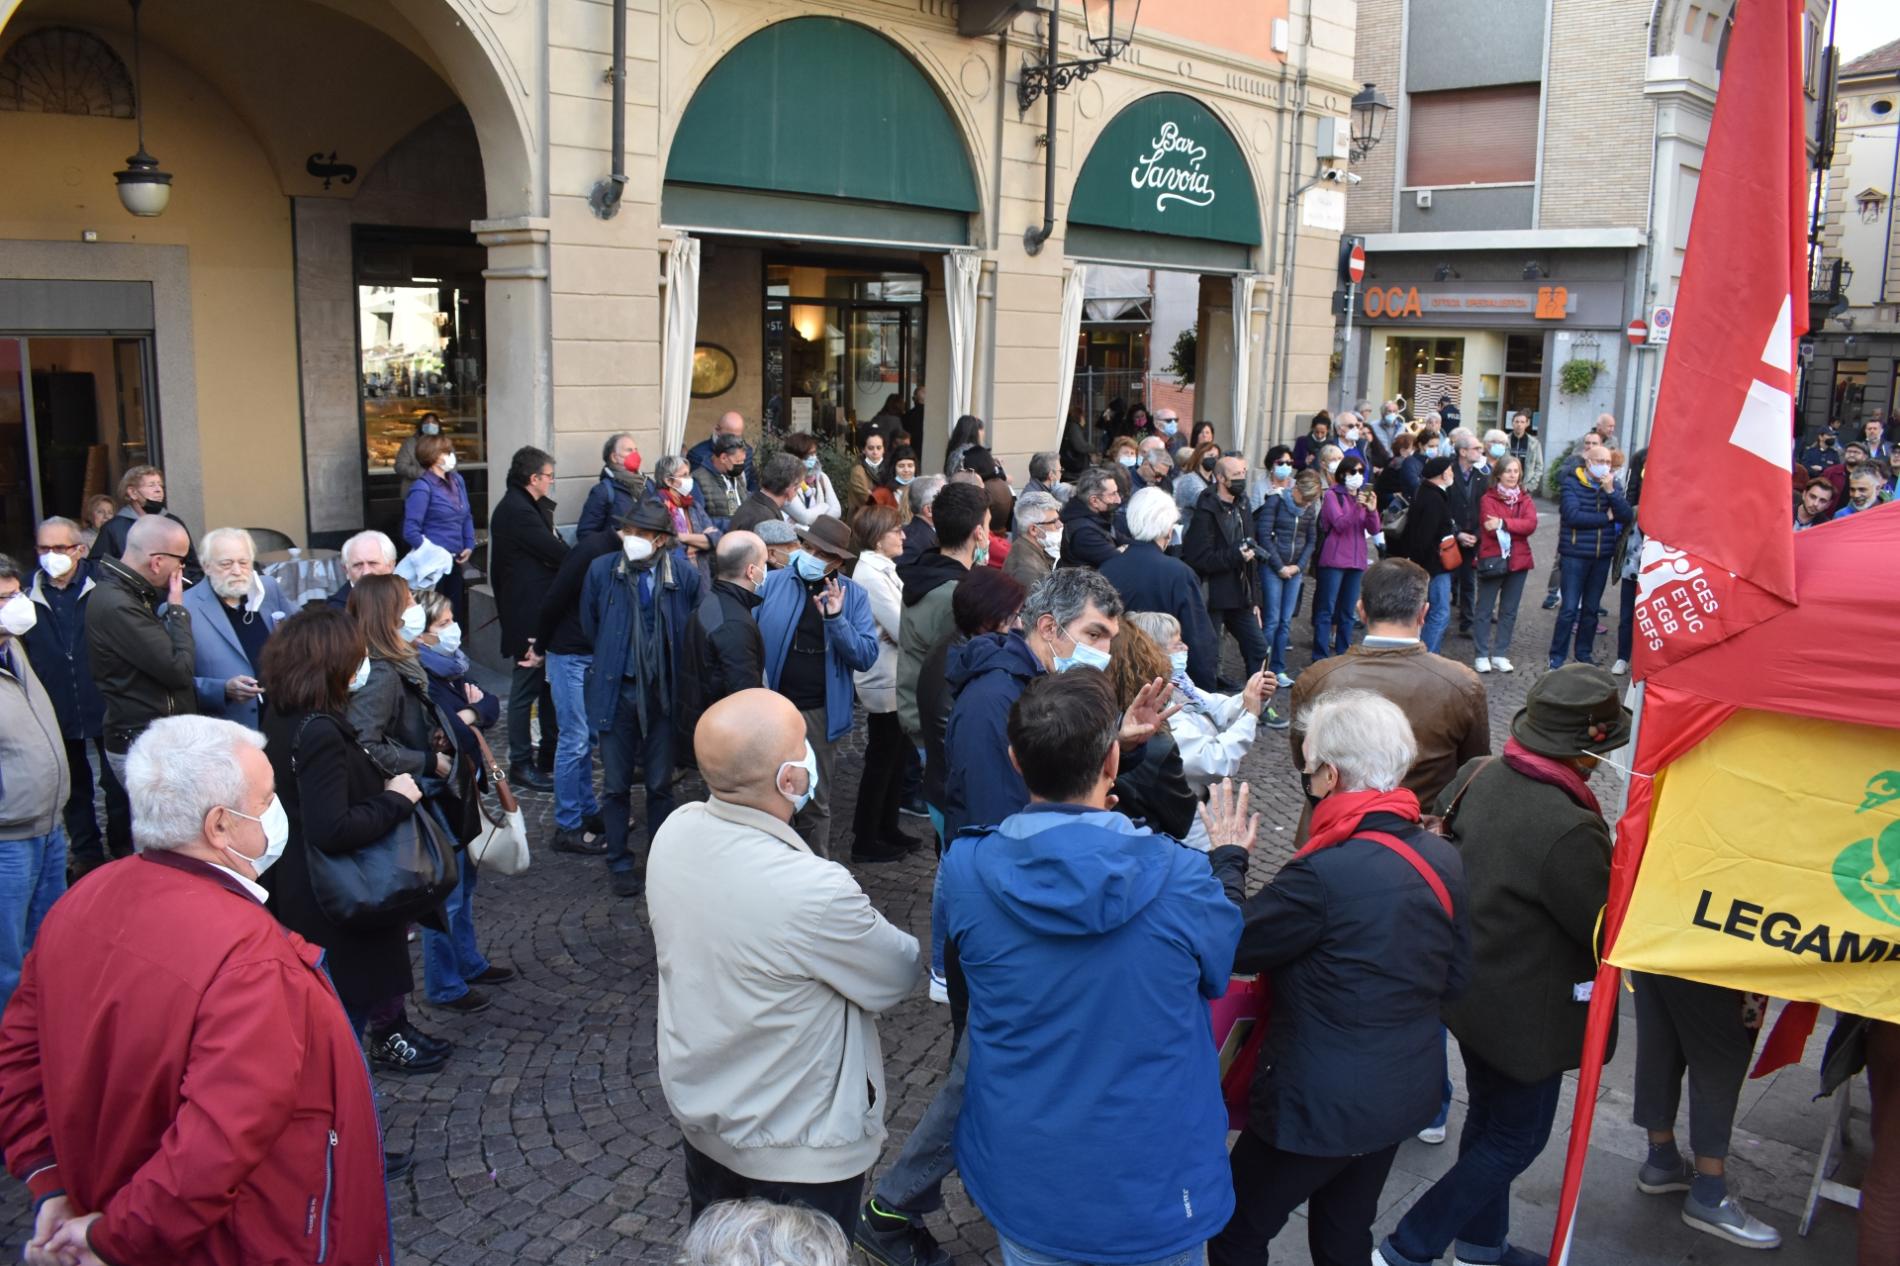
(1533, 197)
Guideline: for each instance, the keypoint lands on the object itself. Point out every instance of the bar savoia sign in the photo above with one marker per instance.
(1173, 168)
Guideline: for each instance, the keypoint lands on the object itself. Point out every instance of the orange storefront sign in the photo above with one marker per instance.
(1550, 303)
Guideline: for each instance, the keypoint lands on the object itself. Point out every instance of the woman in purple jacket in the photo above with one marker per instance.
(1346, 517)
(437, 508)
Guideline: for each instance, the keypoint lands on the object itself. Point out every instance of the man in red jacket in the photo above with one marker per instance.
(178, 1082)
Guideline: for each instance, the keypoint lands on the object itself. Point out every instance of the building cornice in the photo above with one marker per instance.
(1508, 240)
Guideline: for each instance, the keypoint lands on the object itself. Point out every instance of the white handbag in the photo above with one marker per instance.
(502, 847)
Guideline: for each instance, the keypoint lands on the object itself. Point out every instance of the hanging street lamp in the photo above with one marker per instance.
(143, 188)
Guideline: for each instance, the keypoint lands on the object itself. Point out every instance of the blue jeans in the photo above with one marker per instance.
(32, 877)
(1626, 623)
(1437, 611)
(1015, 1254)
(573, 752)
(1279, 599)
(1583, 581)
(1506, 1126)
(914, 1182)
(623, 749)
(1335, 595)
(450, 959)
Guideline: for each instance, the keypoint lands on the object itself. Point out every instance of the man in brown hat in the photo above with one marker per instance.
(1537, 870)
(818, 630)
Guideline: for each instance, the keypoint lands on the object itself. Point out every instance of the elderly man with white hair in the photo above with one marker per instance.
(1037, 524)
(1365, 934)
(178, 1082)
(368, 553)
(233, 613)
(1150, 579)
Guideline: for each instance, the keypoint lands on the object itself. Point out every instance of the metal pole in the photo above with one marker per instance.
(1033, 238)
(1345, 353)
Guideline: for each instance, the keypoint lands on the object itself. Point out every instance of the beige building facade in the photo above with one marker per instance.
(386, 207)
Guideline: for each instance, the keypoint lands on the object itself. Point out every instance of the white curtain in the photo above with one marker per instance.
(1066, 336)
(960, 271)
(676, 349)
(1243, 356)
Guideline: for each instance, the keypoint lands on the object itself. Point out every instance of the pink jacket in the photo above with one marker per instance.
(1345, 523)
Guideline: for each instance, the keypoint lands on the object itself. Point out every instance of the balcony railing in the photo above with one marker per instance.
(1827, 289)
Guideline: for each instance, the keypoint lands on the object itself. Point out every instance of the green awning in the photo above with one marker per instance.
(827, 108)
(1166, 165)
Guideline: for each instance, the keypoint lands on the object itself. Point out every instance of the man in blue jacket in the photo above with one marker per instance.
(1592, 514)
(635, 607)
(1149, 579)
(701, 454)
(620, 486)
(818, 630)
(1092, 1127)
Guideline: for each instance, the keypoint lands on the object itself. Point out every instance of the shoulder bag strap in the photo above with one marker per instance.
(297, 739)
(1451, 810)
(1417, 863)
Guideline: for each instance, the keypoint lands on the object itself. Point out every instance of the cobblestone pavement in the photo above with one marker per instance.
(546, 1137)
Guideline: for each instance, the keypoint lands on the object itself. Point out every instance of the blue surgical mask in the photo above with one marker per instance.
(811, 463)
(902, 481)
(1128, 460)
(1170, 427)
(1283, 471)
(1499, 450)
(1082, 656)
(1177, 660)
(808, 566)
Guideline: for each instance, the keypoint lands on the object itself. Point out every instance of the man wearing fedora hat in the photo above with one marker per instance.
(1537, 868)
(635, 608)
(818, 631)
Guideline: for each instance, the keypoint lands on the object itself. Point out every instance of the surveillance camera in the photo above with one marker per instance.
(1338, 175)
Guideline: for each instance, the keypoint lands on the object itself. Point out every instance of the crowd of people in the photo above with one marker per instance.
(1041, 674)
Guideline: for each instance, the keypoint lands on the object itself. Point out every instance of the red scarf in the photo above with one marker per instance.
(1555, 772)
(676, 506)
(1338, 816)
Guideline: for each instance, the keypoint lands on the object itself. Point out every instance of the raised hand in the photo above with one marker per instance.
(1226, 818)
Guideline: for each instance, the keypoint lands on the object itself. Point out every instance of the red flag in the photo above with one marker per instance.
(1716, 511)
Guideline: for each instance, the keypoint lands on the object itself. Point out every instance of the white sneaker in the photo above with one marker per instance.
(1499, 664)
(1620, 667)
(1483, 665)
(939, 989)
(1433, 1134)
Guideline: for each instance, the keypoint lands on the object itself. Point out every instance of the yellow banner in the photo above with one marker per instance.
(1773, 865)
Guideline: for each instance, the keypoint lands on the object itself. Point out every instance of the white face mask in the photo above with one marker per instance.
(448, 462)
(638, 548)
(449, 640)
(1177, 660)
(276, 824)
(413, 622)
(1052, 541)
(1331, 467)
(810, 765)
(17, 615)
(1354, 482)
(1599, 470)
(360, 677)
(430, 428)
(55, 565)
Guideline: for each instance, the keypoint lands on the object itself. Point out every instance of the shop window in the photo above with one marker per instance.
(1430, 368)
(57, 70)
(840, 341)
(420, 308)
(1472, 136)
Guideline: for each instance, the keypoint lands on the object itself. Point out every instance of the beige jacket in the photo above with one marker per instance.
(773, 966)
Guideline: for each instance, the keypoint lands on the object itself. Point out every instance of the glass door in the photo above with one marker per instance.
(839, 343)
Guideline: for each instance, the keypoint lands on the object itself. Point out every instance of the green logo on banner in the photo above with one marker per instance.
(1868, 871)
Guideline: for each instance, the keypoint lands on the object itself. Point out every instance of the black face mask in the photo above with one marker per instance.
(1236, 488)
(1207, 464)
(152, 507)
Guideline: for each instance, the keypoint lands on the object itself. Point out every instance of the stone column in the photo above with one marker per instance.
(520, 382)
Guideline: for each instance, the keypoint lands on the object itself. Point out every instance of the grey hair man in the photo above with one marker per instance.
(1156, 468)
(368, 553)
(1069, 619)
(1150, 579)
(776, 484)
(1045, 475)
(233, 612)
(139, 634)
(761, 1233)
(619, 486)
(1088, 520)
(1037, 539)
(920, 534)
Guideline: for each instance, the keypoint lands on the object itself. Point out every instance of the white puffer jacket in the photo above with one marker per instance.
(877, 576)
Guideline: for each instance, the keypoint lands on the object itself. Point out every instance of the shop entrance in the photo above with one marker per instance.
(842, 340)
(75, 413)
(1524, 377)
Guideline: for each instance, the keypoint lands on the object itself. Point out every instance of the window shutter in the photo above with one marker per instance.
(1471, 136)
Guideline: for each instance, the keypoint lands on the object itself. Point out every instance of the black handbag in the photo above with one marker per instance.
(389, 882)
(1495, 565)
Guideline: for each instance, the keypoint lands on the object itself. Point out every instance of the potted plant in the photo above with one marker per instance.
(1575, 377)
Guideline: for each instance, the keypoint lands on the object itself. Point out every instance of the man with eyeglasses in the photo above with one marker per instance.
(139, 634)
(60, 590)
